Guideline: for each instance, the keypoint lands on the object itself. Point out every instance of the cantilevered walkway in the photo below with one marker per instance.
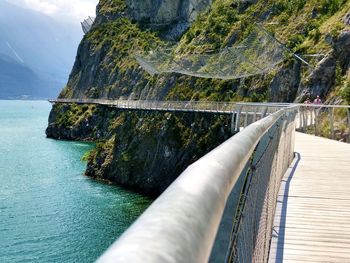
(156, 105)
(222, 207)
(178, 106)
(312, 222)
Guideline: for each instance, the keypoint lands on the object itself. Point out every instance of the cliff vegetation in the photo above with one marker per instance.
(147, 151)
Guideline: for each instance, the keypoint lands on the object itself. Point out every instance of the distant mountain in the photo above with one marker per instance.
(36, 52)
(18, 81)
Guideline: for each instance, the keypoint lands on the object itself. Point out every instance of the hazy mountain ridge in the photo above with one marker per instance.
(42, 52)
(18, 81)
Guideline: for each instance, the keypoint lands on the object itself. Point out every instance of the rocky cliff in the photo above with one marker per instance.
(146, 151)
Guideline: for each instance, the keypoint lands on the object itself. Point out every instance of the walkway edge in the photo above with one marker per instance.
(278, 234)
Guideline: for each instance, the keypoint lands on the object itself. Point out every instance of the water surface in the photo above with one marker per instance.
(49, 211)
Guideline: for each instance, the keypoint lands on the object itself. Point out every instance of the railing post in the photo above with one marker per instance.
(331, 122)
(233, 123)
(348, 110)
(309, 118)
(304, 118)
(246, 119)
(254, 116)
(316, 124)
(264, 113)
(238, 118)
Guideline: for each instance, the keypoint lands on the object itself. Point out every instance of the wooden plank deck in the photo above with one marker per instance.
(312, 222)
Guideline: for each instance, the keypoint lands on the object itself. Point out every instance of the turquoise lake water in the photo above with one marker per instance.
(49, 211)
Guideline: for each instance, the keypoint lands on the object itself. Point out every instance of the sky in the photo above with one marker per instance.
(71, 10)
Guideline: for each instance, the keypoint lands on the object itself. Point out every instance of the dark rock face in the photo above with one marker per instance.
(342, 49)
(91, 127)
(149, 158)
(285, 85)
(322, 78)
(90, 79)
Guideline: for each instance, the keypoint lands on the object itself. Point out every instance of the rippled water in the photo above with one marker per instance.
(49, 211)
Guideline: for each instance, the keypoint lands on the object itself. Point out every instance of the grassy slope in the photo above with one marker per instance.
(302, 25)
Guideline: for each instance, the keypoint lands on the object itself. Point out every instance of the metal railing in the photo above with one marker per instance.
(248, 113)
(182, 106)
(329, 121)
(87, 24)
(182, 224)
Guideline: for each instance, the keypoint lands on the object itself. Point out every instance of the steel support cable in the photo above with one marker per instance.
(284, 46)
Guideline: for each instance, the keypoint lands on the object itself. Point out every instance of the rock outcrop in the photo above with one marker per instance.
(320, 80)
(171, 17)
(323, 78)
(156, 148)
(147, 151)
(342, 49)
(285, 84)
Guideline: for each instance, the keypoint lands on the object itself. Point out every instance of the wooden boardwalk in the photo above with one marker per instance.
(312, 222)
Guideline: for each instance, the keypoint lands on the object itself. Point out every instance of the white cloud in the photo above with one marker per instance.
(61, 9)
(41, 6)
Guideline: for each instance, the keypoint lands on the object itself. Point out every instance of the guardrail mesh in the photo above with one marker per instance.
(252, 225)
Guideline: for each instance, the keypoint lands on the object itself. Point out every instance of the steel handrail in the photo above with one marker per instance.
(181, 225)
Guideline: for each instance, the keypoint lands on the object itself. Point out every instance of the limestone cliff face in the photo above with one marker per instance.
(165, 12)
(146, 151)
(172, 17)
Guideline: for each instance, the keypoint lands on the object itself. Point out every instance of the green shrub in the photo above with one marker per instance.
(330, 7)
(295, 40)
(315, 35)
(346, 93)
(287, 6)
(87, 155)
